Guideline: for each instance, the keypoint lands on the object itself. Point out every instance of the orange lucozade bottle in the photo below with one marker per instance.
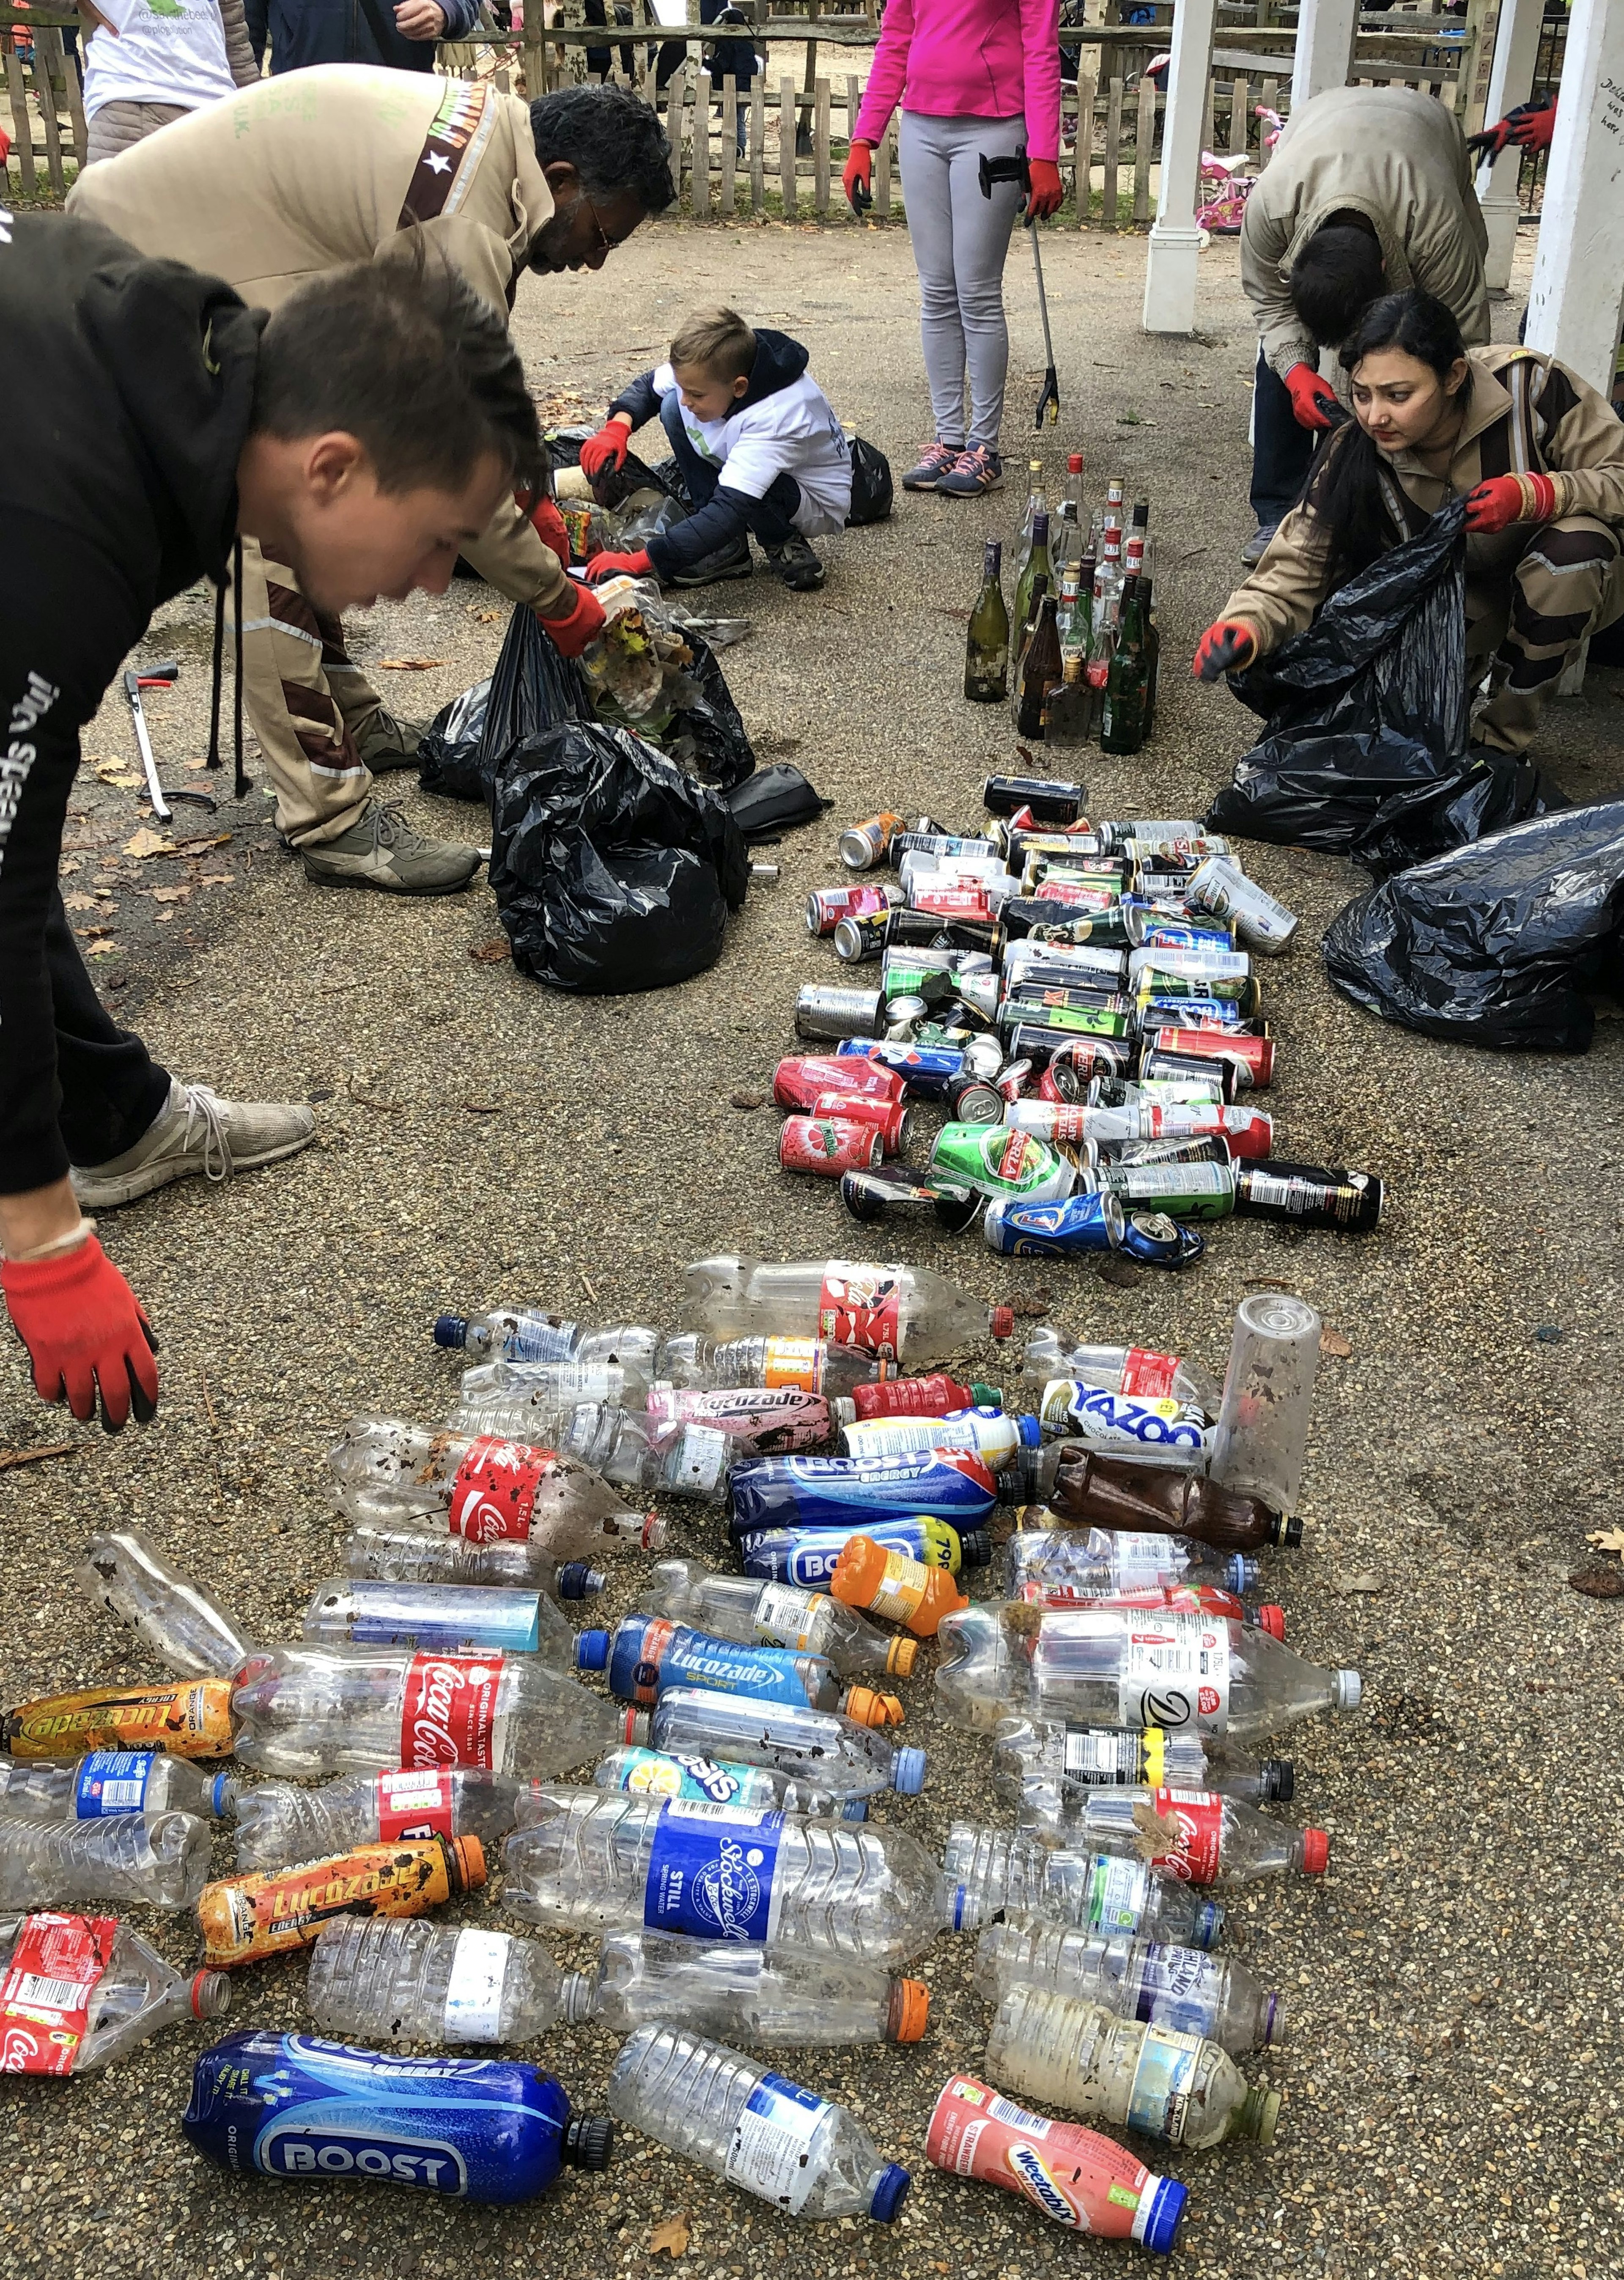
(892, 1585)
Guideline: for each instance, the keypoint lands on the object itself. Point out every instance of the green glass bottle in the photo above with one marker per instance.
(1121, 725)
(987, 653)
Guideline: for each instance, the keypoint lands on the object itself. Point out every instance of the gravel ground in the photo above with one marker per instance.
(1450, 2086)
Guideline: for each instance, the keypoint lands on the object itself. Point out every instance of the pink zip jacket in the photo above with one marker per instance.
(968, 59)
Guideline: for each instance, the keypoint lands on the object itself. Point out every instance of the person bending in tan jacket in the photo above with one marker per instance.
(299, 176)
(1539, 458)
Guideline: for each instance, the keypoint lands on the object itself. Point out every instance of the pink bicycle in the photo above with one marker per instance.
(1225, 183)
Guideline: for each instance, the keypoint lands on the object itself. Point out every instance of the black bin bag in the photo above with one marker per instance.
(612, 870)
(449, 755)
(1488, 792)
(1493, 945)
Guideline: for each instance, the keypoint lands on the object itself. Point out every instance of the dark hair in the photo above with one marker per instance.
(1344, 488)
(610, 137)
(406, 357)
(1334, 279)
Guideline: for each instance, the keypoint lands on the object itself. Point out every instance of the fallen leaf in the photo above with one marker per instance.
(1266, 1282)
(200, 761)
(1608, 1539)
(411, 664)
(483, 1107)
(1598, 1581)
(89, 933)
(12, 1456)
(214, 879)
(485, 617)
(672, 2237)
(65, 870)
(1366, 1581)
(1332, 1342)
(491, 952)
(170, 894)
(1032, 1307)
(78, 902)
(147, 843)
(742, 1100)
(1156, 1833)
(102, 949)
(125, 778)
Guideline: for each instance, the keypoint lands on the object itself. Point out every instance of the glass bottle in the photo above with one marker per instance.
(1040, 669)
(1037, 502)
(1070, 588)
(1066, 540)
(1037, 566)
(1070, 707)
(987, 654)
(1152, 639)
(1121, 725)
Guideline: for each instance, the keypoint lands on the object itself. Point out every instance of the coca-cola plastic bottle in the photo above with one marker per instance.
(188, 1630)
(988, 1873)
(899, 1314)
(406, 1555)
(1177, 1987)
(1192, 1835)
(386, 1470)
(777, 1615)
(1045, 1768)
(80, 1991)
(1138, 1371)
(280, 1822)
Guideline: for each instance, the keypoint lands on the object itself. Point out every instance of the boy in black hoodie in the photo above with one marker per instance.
(760, 449)
(363, 434)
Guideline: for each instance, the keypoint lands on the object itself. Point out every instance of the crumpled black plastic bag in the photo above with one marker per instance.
(709, 735)
(449, 755)
(1371, 699)
(533, 687)
(775, 799)
(1489, 792)
(614, 485)
(612, 870)
(1493, 945)
(872, 491)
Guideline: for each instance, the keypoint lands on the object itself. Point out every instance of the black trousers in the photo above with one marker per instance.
(1280, 449)
(111, 1086)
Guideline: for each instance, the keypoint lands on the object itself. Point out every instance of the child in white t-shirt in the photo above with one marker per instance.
(146, 66)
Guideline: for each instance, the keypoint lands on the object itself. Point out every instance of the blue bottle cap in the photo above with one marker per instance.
(1209, 1923)
(889, 2193)
(592, 1651)
(220, 1795)
(452, 1330)
(1166, 2211)
(957, 1907)
(855, 1809)
(1235, 1573)
(908, 1774)
(1031, 1432)
(577, 1581)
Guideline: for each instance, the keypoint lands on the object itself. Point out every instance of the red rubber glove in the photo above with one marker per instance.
(1222, 648)
(620, 566)
(1505, 499)
(1309, 395)
(549, 526)
(84, 1331)
(1529, 127)
(580, 624)
(860, 177)
(607, 448)
(1046, 192)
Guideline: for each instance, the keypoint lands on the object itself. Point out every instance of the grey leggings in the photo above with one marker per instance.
(959, 243)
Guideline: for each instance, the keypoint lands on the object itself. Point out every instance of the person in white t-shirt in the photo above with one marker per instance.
(151, 61)
(761, 453)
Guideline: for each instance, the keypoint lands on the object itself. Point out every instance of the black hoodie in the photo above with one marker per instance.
(128, 386)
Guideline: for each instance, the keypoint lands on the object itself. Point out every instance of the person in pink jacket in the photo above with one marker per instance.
(971, 76)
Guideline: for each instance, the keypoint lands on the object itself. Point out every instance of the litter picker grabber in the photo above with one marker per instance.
(1005, 169)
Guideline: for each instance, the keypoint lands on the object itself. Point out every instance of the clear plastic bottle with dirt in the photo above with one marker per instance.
(155, 1860)
(405, 1980)
(183, 1625)
(105, 1782)
(1149, 1980)
(129, 1992)
(1193, 1835)
(529, 1334)
(1097, 1562)
(771, 1995)
(440, 1618)
(776, 1614)
(992, 1872)
(1044, 1770)
(823, 1747)
(690, 1358)
(480, 1487)
(905, 1315)
(718, 1781)
(280, 1823)
(408, 1555)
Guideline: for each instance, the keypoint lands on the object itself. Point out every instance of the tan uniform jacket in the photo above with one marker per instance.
(303, 174)
(1400, 160)
(1527, 414)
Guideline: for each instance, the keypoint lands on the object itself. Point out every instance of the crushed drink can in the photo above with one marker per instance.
(864, 844)
(973, 1100)
(1071, 1070)
(874, 1195)
(937, 842)
(1176, 1091)
(1036, 918)
(1046, 798)
(1155, 932)
(1000, 1162)
(1152, 832)
(1301, 1195)
(1069, 2174)
(797, 1081)
(825, 906)
(1155, 1240)
(828, 1145)
(1010, 1083)
(1018, 1229)
(889, 1118)
(823, 1013)
(1213, 1149)
(1040, 1040)
(1161, 1013)
(924, 1070)
(1222, 887)
(1215, 973)
(1180, 1190)
(1252, 1059)
(1158, 1067)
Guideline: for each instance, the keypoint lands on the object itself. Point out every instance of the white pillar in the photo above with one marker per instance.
(1174, 249)
(1510, 80)
(1324, 59)
(1574, 307)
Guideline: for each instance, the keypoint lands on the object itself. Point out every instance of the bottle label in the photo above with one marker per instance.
(861, 1307)
(473, 1992)
(787, 1618)
(702, 1780)
(493, 1493)
(450, 1712)
(1147, 1376)
(1143, 1561)
(794, 1361)
(1159, 2102)
(1178, 1987)
(539, 1338)
(1195, 1854)
(713, 1873)
(768, 1674)
(415, 1804)
(189, 1720)
(639, 1649)
(770, 2155)
(901, 1589)
(243, 1918)
(112, 1781)
(1119, 1897)
(1101, 1416)
(1174, 1675)
(444, 1618)
(1073, 2175)
(45, 1993)
(1104, 1759)
(698, 1461)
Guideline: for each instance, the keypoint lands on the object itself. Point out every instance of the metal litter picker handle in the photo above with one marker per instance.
(156, 676)
(1005, 169)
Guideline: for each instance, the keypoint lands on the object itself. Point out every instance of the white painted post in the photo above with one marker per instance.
(1174, 249)
(1578, 291)
(1324, 59)
(1510, 81)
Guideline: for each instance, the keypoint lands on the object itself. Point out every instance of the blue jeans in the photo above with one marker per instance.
(770, 518)
(1280, 449)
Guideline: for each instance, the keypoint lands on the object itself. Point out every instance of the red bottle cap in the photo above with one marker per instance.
(1272, 1619)
(1004, 1322)
(1316, 1852)
(1073, 464)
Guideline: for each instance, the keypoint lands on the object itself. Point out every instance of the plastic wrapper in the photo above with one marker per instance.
(449, 755)
(1367, 704)
(1487, 793)
(612, 870)
(1493, 945)
(649, 674)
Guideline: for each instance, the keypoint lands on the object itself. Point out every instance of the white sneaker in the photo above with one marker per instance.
(196, 1131)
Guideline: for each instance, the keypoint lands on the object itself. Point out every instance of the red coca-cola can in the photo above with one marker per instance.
(1254, 1058)
(797, 1081)
(828, 1146)
(889, 1118)
(825, 906)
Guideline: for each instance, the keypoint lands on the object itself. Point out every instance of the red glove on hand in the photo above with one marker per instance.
(1309, 395)
(84, 1331)
(1531, 126)
(1046, 192)
(581, 624)
(607, 448)
(859, 176)
(1505, 499)
(620, 566)
(549, 526)
(1222, 648)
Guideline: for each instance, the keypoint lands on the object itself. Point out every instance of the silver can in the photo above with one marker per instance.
(1222, 889)
(820, 1011)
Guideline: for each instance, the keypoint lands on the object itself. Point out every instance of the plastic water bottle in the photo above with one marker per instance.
(160, 1860)
(1071, 2176)
(776, 1614)
(1138, 1371)
(598, 1862)
(807, 1556)
(644, 1654)
(984, 1433)
(988, 1872)
(265, 1911)
(765, 2134)
(528, 1334)
(441, 1618)
(189, 1631)
(905, 1315)
(818, 1745)
(307, 1710)
(1077, 2056)
(402, 1979)
(280, 1822)
(526, 1400)
(757, 1994)
(1177, 1987)
(476, 2130)
(833, 1371)
(1045, 1767)
(108, 1781)
(405, 1555)
(718, 1781)
(635, 1454)
(1093, 1563)
(489, 1491)
(1123, 1667)
(86, 1993)
(1190, 1834)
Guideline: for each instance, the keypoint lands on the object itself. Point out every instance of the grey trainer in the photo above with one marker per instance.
(196, 1131)
(796, 564)
(729, 561)
(386, 743)
(382, 850)
(1257, 545)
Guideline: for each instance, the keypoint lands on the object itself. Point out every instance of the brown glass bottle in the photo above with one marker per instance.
(1041, 669)
(1114, 1492)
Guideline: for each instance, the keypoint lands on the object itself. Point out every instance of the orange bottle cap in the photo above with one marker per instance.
(909, 2012)
(470, 1857)
(900, 1663)
(872, 1709)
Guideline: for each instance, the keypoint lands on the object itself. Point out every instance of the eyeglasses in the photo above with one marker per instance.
(607, 243)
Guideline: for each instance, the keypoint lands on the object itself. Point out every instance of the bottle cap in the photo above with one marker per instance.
(469, 1855)
(908, 1773)
(589, 2143)
(899, 1661)
(1074, 463)
(1288, 1532)
(577, 1581)
(1167, 2210)
(1031, 1432)
(639, 1728)
(1209, 1923)
(1271, 1619)
(1257, 2115)
(870, 1708)
(975, 1548)
(910, 2011)
(854, 1808)
(1003, 1323)
(219, 1796)
(1349, 1686)
(1278, 1780)
(210, 1994)
(889, 2194)
(1316, 1852)
(452, 1330)
(592, 1651)
(986, 1396)
(1274, 2022)
(577, 1997)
